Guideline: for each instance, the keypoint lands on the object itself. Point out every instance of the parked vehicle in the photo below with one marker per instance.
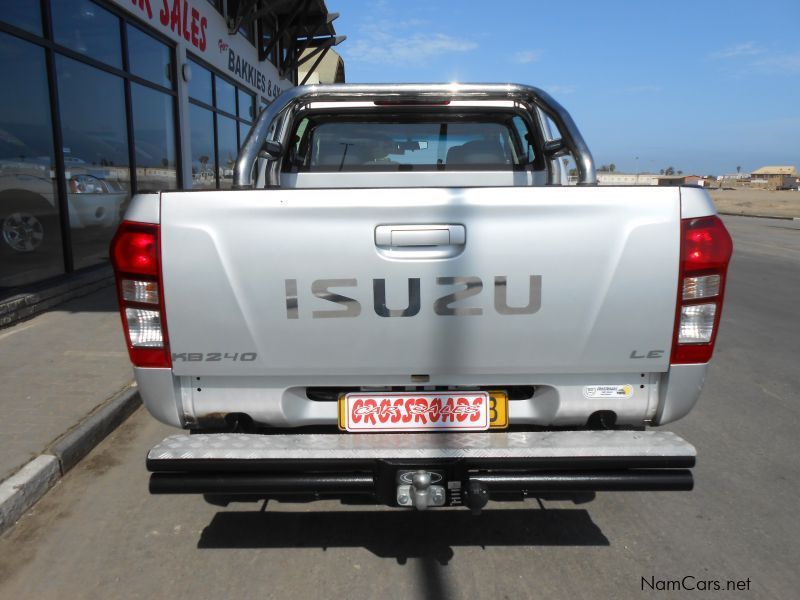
(28, 196)
(402, 303)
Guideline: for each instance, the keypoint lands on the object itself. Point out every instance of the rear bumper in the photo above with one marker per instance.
(559, 400)
(506, 465)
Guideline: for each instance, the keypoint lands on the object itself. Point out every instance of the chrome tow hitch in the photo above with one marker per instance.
(420, 489)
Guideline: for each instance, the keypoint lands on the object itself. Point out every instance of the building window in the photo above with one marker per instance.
(96, 159)
(201, 87)
(154, 139)
(269, 33)
(148, 58)
(226, 96)
(25, 15)
(112, 131)
(82, 26)
(227, 148)
(203, 155)
(30, 233)
(246, 105)
(248, 32)
(221, 115)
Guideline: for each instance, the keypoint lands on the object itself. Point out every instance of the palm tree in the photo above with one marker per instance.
(738, 170)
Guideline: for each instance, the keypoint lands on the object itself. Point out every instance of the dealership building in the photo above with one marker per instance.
(102, 99)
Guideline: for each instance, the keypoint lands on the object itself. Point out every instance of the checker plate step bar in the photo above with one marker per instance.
(636, 448)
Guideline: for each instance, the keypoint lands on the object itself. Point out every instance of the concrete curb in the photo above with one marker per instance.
(71, 447)
(23, 489)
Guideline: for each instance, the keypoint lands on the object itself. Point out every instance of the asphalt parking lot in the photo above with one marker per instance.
(99, 534)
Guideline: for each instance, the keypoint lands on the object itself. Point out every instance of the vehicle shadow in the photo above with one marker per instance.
(402, 535)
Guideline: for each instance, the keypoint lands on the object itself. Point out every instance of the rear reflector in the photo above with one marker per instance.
(706, 249)
(136, 257)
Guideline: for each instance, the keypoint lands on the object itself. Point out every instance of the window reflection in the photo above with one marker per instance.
(30, 234)
(83, 26)
(244, 129)
(200, 84)
(247, 110)
(154, 139)
(149, 58)
(226, 96)
(25, 15)
(228, 149)
(201, 123)
(95, 156)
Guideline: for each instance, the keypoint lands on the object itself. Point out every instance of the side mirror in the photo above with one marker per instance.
(271, 150)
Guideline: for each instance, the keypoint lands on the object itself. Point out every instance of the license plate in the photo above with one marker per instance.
(427, 411)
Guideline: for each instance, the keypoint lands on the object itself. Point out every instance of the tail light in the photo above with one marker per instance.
(706, 249)
(136, 257)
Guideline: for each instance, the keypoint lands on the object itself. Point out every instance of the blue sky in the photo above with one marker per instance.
(702, 86)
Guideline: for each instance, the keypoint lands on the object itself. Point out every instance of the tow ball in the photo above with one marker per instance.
(420, 489)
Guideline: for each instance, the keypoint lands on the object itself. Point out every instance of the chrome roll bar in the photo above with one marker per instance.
(274, 122)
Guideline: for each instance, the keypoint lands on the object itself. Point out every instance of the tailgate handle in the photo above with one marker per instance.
(419, 236)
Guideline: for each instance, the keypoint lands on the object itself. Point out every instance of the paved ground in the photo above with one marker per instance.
(56, 368)
(98, 534)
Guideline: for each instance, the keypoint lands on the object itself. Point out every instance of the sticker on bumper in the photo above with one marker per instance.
(608, 391)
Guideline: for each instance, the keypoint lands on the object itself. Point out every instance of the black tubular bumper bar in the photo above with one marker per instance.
(332, 485)
(273, 124)
(251, 483)
(636, 480)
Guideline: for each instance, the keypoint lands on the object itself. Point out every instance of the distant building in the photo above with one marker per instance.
(679, 180)
(782, 177)
(613, 178)
(730, 180)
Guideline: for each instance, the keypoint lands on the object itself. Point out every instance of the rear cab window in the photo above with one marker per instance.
(412, 142)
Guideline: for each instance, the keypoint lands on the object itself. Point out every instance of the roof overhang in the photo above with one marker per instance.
(302, 25)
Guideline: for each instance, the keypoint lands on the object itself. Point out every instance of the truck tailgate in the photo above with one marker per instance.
(547, 280)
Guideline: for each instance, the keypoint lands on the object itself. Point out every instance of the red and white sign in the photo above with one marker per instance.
(465, 411)
(202, 30)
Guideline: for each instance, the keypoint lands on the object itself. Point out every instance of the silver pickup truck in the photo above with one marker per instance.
(403, 303)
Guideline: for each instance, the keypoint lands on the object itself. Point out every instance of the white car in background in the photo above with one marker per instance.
(29, 205)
